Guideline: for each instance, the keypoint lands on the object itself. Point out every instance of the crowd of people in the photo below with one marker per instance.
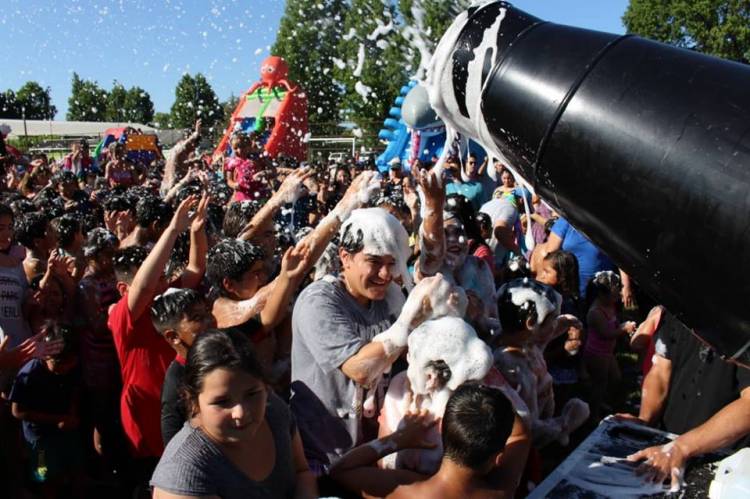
(247, 326)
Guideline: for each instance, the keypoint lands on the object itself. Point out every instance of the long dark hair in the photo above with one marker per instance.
(213, 350)
(566, 266)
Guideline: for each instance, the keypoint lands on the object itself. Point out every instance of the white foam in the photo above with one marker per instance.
(521, 294)
(453, 341)
(382, 235)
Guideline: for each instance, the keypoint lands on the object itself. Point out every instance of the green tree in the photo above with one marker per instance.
(307, 40)
(194, 98)
(9, 105)
(115, 110)
(162, 121)
(716, 27)
(138, 106)
(373, 63)
(35, 102)
(87, 101)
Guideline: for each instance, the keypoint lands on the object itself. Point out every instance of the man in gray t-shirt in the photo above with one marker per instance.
(348, 331)
(329, 327)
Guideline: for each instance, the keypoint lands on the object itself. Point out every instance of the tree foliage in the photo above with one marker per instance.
(115, 110)
(35, 102)
(138, 106)
(31, 101)
(307, 39)
(716, 27)
(87, 102)
(194, 98)
(373, 64)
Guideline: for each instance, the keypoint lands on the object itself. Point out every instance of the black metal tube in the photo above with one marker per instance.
(643, 147)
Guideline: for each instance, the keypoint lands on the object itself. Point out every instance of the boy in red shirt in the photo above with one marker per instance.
(143, 353)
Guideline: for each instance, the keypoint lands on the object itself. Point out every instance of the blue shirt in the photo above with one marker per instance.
(590, 258)
(471, 190)
(40, 390)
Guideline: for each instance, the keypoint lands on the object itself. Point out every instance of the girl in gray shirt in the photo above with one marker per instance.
(241, 440)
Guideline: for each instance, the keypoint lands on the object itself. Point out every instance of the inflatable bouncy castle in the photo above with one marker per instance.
(139, 148)
(275, 109)
(414, 131)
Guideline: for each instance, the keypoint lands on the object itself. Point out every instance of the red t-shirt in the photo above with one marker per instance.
(144, 357)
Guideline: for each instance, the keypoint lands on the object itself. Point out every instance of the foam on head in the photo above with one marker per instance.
(453, 341)
(545, 299)
(382, 234)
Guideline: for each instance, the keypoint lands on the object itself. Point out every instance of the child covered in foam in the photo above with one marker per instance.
(443, 352)
(530, 318)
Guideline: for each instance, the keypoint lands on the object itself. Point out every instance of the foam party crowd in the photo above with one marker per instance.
(251, 325)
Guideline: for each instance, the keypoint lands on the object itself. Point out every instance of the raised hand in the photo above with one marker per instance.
(293, 187)
(414, 429)
(183, 216)
(432, 188)
(201, 212)
(296, 261)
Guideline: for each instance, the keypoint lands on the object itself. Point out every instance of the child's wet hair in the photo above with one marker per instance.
(230, 258)
(119, 202)
(29, 227)
(65, 229)
(169, 308)
(127, 261)
(56, 330)
(99, 239)
(604, 282)
(238, 215)
(151, 209)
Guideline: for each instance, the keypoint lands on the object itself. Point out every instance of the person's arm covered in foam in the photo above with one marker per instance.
(378, 355)
(431, 232)
(146, 280)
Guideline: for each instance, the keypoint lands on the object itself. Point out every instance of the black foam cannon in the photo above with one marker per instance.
(645, 148)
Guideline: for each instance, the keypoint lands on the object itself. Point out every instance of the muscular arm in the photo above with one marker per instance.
(723, 429)
(655, 390)
(506, 475)
(371, 361)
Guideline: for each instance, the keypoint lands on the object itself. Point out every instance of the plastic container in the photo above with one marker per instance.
(732, 479)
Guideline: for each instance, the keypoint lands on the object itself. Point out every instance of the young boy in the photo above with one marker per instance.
(144, 356)
(32, 231)
(45, 397)
(179, 315)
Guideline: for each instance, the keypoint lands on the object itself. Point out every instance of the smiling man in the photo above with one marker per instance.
(337, 385)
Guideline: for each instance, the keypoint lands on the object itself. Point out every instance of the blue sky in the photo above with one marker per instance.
(151, 43)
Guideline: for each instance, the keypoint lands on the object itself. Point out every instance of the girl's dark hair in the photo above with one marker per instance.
(566, 266)
(65, 229)
(230, 258)
(463, 210)
(604, 282)
(215, 349)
